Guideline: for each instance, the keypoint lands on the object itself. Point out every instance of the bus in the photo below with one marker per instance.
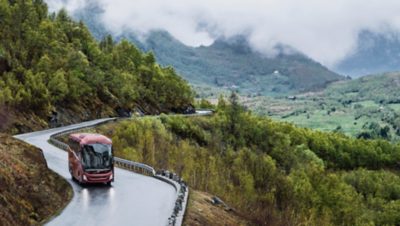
(90, 158)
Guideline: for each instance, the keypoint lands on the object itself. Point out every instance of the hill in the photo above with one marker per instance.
(367, 107)
(368, 88)
(30, 192)
(227, 63)
(52, 68)
(375, 53)
(273, 173)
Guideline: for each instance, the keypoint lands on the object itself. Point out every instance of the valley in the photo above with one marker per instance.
(289, 141)
(288, 86)
(367, 107)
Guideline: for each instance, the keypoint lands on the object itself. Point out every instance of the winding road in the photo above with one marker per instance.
(133, 199)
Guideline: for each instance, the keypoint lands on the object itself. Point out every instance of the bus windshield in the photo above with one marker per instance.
(97, 156)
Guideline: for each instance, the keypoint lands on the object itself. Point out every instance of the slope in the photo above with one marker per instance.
(272, 173)
(232, 63)
(375, 53)
(51, 68)
(368, 88)
(367, 107)
(30, 191)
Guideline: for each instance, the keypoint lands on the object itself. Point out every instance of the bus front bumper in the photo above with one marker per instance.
(93, 177)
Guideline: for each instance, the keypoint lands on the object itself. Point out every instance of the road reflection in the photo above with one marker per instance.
(94, 194)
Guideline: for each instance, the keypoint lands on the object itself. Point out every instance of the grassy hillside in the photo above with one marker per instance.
(201, 211)
(271, 172)
(367, 107)
(50, 64)
(380, 88)
(30, 192)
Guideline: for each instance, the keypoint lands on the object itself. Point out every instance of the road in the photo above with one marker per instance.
(133, 199)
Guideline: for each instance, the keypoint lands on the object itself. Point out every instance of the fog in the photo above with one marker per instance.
(325, 30)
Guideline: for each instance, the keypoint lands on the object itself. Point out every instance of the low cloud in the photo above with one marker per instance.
(325, 30)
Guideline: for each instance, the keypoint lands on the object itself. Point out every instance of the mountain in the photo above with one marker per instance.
(227, 63)
(375, 53)
(233, 63)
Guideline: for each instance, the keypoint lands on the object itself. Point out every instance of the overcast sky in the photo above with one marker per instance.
(325, 30)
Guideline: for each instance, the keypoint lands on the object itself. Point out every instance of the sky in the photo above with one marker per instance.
(325, 30)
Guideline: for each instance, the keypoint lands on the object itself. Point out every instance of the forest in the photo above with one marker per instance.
(273, 172)
(49, 61)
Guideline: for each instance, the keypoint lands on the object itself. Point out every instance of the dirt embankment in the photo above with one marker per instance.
(14, 121)
(30, 193)
(201, 212)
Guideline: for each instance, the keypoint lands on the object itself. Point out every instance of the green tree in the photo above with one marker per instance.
(58, 86)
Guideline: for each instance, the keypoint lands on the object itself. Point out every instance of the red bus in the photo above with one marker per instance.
(90, 158)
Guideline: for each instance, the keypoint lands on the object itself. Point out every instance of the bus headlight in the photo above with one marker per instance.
(111, 177)
(84, 177)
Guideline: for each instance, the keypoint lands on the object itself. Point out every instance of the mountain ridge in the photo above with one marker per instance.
(375, 53)
(228, 64)
(225, 64)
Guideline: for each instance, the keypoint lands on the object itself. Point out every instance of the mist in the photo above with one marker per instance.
(324, 30)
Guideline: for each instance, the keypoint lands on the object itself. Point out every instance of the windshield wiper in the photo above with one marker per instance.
(99, 170)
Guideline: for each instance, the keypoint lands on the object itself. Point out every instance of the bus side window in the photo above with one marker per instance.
(74, 146)
(70, 144)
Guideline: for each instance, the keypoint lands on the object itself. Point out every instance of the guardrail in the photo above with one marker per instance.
(181, 197)
(180, 186)
(135, 166)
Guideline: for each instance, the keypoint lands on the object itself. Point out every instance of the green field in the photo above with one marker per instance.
(355, 107)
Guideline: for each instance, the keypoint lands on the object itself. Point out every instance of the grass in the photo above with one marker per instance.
(395, 107)
(321, 120)
(326, 112)
(367, 103)
(201, 212)
(346, 106)
(58, 210)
